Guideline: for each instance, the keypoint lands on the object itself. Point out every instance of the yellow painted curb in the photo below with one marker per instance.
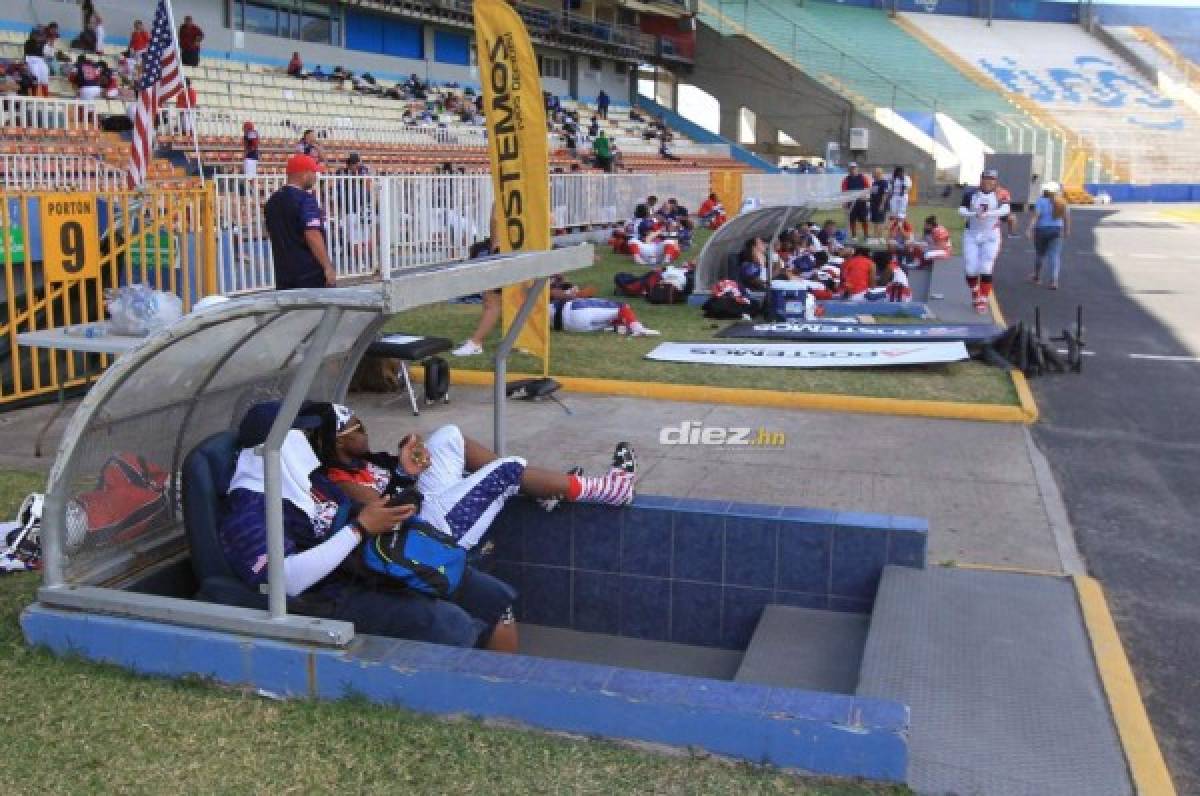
(995, 413)
(1010, 570)
(1146, 764)
(1029, 407)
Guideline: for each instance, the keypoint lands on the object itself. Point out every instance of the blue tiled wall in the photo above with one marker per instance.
(693, 571)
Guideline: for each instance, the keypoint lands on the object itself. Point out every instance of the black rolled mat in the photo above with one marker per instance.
(818, 331)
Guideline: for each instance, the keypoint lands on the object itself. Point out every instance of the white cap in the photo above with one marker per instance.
(852, 165)
(1051, 187)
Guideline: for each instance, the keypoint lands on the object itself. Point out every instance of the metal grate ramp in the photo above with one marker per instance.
(999, 674)
(805, 648)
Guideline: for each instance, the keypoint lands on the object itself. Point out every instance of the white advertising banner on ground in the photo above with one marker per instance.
(810, 355)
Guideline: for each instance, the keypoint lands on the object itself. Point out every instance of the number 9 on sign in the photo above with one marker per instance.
(70, 237)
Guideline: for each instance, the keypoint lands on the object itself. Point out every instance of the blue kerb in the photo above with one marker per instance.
(817, 732)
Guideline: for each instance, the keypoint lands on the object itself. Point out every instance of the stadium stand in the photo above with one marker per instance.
(840, 46)
(1087, 87)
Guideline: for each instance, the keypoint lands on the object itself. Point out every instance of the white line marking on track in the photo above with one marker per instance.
(1085, 353)
(1164, 358)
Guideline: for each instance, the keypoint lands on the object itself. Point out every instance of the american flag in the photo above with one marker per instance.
(162, 79)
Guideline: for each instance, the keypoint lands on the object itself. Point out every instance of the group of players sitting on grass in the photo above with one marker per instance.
(819, 259)
(391, 541)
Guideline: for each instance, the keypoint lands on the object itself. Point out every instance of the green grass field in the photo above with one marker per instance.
(69, 726)
(609, 356)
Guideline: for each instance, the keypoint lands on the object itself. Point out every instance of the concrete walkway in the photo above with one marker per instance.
(977, 483)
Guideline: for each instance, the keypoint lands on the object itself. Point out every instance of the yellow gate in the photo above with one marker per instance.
(61, 250)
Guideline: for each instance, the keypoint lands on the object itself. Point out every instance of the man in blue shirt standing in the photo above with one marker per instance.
(296, 226)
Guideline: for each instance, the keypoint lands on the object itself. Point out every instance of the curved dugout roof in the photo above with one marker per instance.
(197, 378)
(765, 222)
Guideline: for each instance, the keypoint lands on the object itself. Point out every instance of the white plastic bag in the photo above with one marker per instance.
(139, 310)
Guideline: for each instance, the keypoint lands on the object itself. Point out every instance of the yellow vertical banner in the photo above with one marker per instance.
(519, 152)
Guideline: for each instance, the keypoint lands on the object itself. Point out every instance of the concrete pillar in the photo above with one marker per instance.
(730, 119)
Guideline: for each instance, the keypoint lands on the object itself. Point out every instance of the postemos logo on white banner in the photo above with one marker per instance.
(693, 432)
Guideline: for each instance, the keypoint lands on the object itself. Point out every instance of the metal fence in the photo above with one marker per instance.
(789, 189)
(376, 224)
(45, 171)
(48, 113)
(161, 239)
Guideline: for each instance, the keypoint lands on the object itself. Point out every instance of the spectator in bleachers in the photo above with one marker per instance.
(296, 226)
(618, 158)
(19, 80)
(318, 74)
(593, 127)
(139, 39)
(186, 102)
(295, 67)
(664, 151)
(1050, 225)
(898, 197)
(340, 73)
(857, 211)
(602, 149)
(602, 104)
(190, 37)
(308, 146)
(35, 60)
(634, 116)
(127, 66)
(85, 41)
(250, 152)
(97, 26)
(87, 79)
(877, 203)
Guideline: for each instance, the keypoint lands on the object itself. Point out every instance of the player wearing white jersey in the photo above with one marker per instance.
(983, 210)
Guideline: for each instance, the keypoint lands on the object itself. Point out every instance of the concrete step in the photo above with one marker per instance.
(805, 648)
(998, 672)
(629, 653)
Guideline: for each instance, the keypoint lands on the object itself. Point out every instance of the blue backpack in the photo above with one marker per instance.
(419, 556)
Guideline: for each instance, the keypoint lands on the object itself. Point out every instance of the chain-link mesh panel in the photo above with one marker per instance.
(122, 509)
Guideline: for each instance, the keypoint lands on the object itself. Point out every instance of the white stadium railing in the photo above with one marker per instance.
(48, 113)
(45, 171)
(430, 218)
(789, 189)
(210, 123)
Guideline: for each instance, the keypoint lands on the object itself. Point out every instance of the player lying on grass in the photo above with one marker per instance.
(574, 309)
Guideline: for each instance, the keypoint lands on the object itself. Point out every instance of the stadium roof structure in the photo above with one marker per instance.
(196, 379)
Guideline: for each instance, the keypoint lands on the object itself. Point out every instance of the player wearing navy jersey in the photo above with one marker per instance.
(983, 210)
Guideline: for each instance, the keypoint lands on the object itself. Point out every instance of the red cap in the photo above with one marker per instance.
(300, 163)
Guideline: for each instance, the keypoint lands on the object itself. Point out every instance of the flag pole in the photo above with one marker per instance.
(186, 84)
